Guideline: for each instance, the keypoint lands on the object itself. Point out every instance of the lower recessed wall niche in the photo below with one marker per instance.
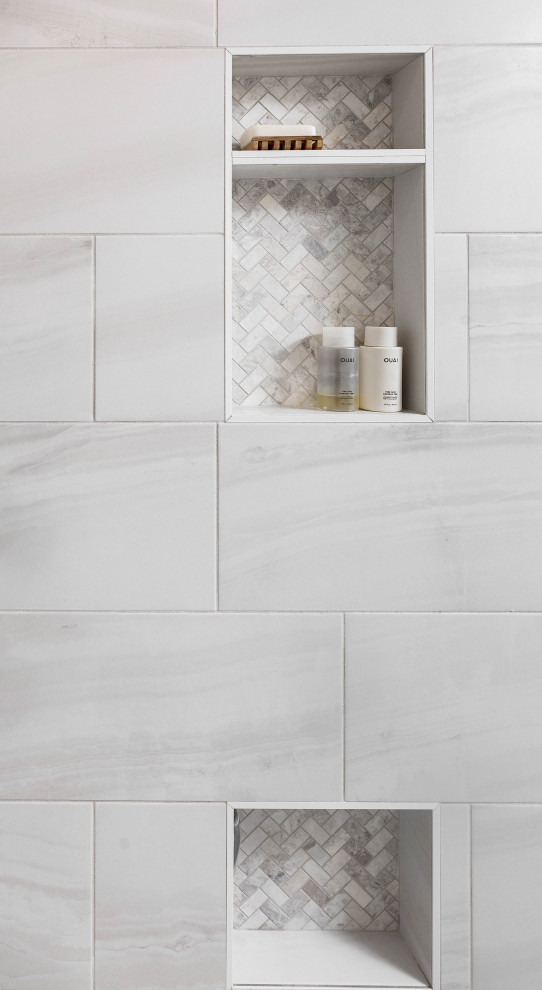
(334, 897)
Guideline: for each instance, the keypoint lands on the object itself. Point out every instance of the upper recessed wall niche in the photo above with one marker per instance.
(367, 101)
(336, 236)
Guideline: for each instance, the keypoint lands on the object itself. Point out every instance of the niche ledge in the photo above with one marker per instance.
(282, 414)
(374, 924)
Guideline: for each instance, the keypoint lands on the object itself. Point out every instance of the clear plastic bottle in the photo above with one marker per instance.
(338, 370)
(380, 371)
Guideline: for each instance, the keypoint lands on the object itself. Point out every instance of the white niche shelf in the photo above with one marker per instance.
(325, 959)
(259, 393)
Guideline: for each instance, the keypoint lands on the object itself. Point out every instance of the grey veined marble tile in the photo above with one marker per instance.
(45, 896)
(443, 707)
(83, 24)
(506, 872)
(378, 517)
(106, 516)
(177, 707)
(160, 896)
(487, 135)
(109, 142)
(46, 334)
(506, 327)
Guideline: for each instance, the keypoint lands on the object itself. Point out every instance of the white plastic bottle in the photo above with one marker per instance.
(380, 371)
(338, 370)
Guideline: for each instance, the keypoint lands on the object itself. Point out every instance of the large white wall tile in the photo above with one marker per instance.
(112, 141)
(488, 137)
(443, 707)
(455, 897)
(451, 327)
(160, 328)
(160, 897)
(360, 22)
(506, 327)
(377, 517)
(46, 335)
(45, 896)
(506, 871)
(106, 23)
(107, 516)
(185, 707)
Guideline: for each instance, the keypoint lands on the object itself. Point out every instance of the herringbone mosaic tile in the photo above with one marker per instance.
(306, 254)
(335, 870)
(347, 111)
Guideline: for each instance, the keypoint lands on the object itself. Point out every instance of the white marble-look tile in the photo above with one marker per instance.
(160, 896)
(46, 328)
(177, 707)
(506, 327)
(107, 516)
(360, 22)
(106, 23)
(451, 328)
(380, 517)
(455, 895)
(506, 872)
(160, 328)
(112, 141)
(487, 136)
(45, 896)
(443, 707)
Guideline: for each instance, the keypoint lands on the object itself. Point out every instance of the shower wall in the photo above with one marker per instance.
(170, 640)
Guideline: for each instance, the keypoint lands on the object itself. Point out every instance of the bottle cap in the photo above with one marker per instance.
(380, 336)
(338, 337)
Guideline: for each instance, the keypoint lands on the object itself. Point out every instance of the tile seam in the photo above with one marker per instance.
(217, 524)
(468, 333)
(292, 803)
(94, 239)
(271, 422)
(471, 919)
(344, 705)
(93, 901)
(273, 611)
(418, 49)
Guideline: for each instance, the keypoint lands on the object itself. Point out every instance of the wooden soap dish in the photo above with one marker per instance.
(292, 143)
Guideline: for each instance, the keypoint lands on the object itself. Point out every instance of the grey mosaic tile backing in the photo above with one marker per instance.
(334, 870)
(347, 111)
(306, 254)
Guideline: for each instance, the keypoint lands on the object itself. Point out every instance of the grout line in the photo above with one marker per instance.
(220, 233)
(263, 423)
(488, 233)
(284, 803)
(117, 233)
(110, 422)
(344, 703)
(468, 330)
(470, 899)
(217, 534)
(94, 328)
(93, 902)
(216, 23)
(90, 49)
(406, 49)
(312, 612)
